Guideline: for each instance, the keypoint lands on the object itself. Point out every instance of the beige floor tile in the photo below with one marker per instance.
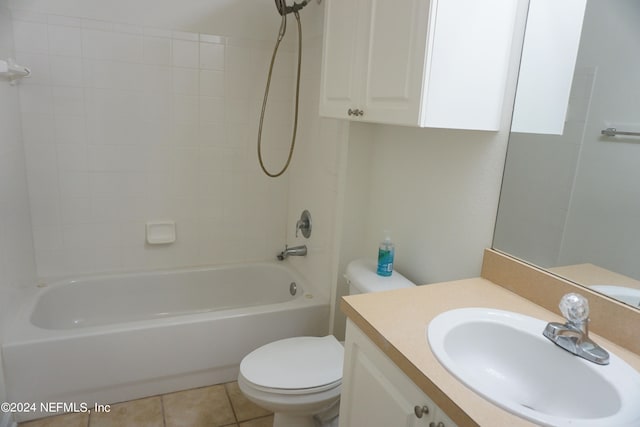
(201, 407)
(243, 407)
(259, 422)
(67, 420)
(135, 413)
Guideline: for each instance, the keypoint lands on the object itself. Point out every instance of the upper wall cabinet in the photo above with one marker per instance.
(438, 63)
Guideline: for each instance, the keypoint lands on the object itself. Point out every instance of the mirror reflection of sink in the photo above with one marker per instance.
(629, 296)
(504, 357)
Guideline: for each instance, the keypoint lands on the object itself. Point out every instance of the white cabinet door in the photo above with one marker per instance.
(376, 393)
(468, 61)
(395, 46)
(341, 80)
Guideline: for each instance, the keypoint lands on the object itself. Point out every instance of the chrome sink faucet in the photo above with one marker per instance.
(292, 251)
(573, 335)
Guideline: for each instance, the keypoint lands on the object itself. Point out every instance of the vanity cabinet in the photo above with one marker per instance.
(376, 393)
(427, 63)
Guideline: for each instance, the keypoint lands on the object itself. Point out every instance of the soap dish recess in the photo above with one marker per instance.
(161, 232)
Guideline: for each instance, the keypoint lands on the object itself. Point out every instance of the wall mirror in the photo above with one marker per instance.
(570, 200)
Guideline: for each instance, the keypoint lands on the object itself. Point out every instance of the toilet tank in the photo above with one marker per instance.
(362, 278)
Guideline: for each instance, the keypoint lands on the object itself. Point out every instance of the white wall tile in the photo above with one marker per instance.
(157, 79)
(212, 83)
(36, 99)
(212, 56)
(74, 184)
(43, 184)
(64, 40)
(185, 53)
(75, 210)
(213, 134)
(185, 81)
(127, 123)
(72, 157)
(211, 109)
(70, 129)
(156, 50)
(45, 210)
(108, 45)
(30, 37)
(186, 109)
(47, 238)
(37, 128)
(78, 260)
(68, 100)
(66, 71)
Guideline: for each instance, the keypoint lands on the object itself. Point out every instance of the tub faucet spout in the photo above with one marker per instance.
(293, 251)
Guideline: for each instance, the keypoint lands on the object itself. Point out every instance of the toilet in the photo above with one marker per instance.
(299, 379)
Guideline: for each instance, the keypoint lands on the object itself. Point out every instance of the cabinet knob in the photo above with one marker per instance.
(421, 410)
(440, 424)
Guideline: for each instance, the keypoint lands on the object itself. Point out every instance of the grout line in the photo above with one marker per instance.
(233, 410)
(164, 419)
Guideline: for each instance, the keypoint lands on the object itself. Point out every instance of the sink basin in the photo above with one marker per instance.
(629, 296)
(504, 357)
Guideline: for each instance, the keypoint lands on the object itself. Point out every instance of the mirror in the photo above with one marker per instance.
(570, 203)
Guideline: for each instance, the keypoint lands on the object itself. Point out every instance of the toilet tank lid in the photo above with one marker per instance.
(362, 274)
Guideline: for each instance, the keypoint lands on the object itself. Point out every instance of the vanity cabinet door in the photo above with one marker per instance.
(376, 393)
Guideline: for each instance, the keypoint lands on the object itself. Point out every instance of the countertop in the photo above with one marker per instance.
(397, 320)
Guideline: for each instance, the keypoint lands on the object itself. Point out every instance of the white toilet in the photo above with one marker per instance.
(300, 378)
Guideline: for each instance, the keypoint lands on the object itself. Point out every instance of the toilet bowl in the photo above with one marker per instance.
(296, 378)
(299, 379)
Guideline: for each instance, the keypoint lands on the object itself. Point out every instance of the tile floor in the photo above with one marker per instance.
(214, 406)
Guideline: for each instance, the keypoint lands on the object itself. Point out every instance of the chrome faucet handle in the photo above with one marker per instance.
(304, 224)
(574, 307)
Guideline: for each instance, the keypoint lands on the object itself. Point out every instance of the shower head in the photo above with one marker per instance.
(283, 9)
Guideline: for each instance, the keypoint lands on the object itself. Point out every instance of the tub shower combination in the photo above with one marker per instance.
(107, 339)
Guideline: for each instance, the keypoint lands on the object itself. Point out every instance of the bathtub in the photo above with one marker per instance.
(113, 338)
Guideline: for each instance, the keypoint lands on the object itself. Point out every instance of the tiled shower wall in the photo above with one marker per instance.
(17, 266)
(125, 124)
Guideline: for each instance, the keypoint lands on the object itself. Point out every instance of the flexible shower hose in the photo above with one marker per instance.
(283, 29)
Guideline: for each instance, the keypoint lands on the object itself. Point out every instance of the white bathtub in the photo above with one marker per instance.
(119, 337)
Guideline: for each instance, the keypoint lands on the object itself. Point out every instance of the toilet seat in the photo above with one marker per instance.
(299, 365)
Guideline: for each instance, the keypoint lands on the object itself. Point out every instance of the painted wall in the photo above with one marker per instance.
(435, 190)
(17, 266)
(145, 111)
